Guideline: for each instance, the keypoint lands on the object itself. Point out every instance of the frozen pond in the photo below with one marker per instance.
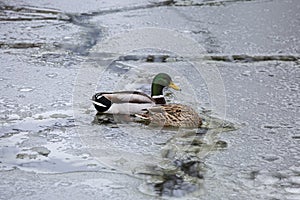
(237, 63)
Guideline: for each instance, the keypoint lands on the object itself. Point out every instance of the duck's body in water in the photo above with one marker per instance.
(131, 102)
(150, 110)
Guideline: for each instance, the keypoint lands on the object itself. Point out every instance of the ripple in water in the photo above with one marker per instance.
(26, 89)
(52, 75)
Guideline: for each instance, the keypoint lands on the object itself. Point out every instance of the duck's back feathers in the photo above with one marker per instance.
(125, 97)
(171, 115)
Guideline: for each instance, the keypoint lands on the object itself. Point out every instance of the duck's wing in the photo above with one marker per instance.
(127, 97)
(174, 109)
(156, 115)
(171, 115)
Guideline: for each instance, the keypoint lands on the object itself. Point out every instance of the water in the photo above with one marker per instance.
(54, 146)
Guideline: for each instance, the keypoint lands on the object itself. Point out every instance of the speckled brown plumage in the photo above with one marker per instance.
(171, 115)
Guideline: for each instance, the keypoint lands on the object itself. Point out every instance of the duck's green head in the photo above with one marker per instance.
(160, 81)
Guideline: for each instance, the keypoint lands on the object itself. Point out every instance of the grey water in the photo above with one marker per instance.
(244, 81)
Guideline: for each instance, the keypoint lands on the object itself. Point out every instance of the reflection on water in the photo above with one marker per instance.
(179, 167)
(170, 160)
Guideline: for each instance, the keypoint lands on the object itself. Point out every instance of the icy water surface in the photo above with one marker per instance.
(171, 161)
(53, 59)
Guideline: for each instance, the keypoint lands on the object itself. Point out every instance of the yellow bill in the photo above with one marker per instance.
(175, 87)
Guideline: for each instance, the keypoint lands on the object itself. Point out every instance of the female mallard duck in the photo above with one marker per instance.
(131, 102)
(171, 115)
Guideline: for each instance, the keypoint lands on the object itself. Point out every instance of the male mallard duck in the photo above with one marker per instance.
(171, 115)
(131, 102)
